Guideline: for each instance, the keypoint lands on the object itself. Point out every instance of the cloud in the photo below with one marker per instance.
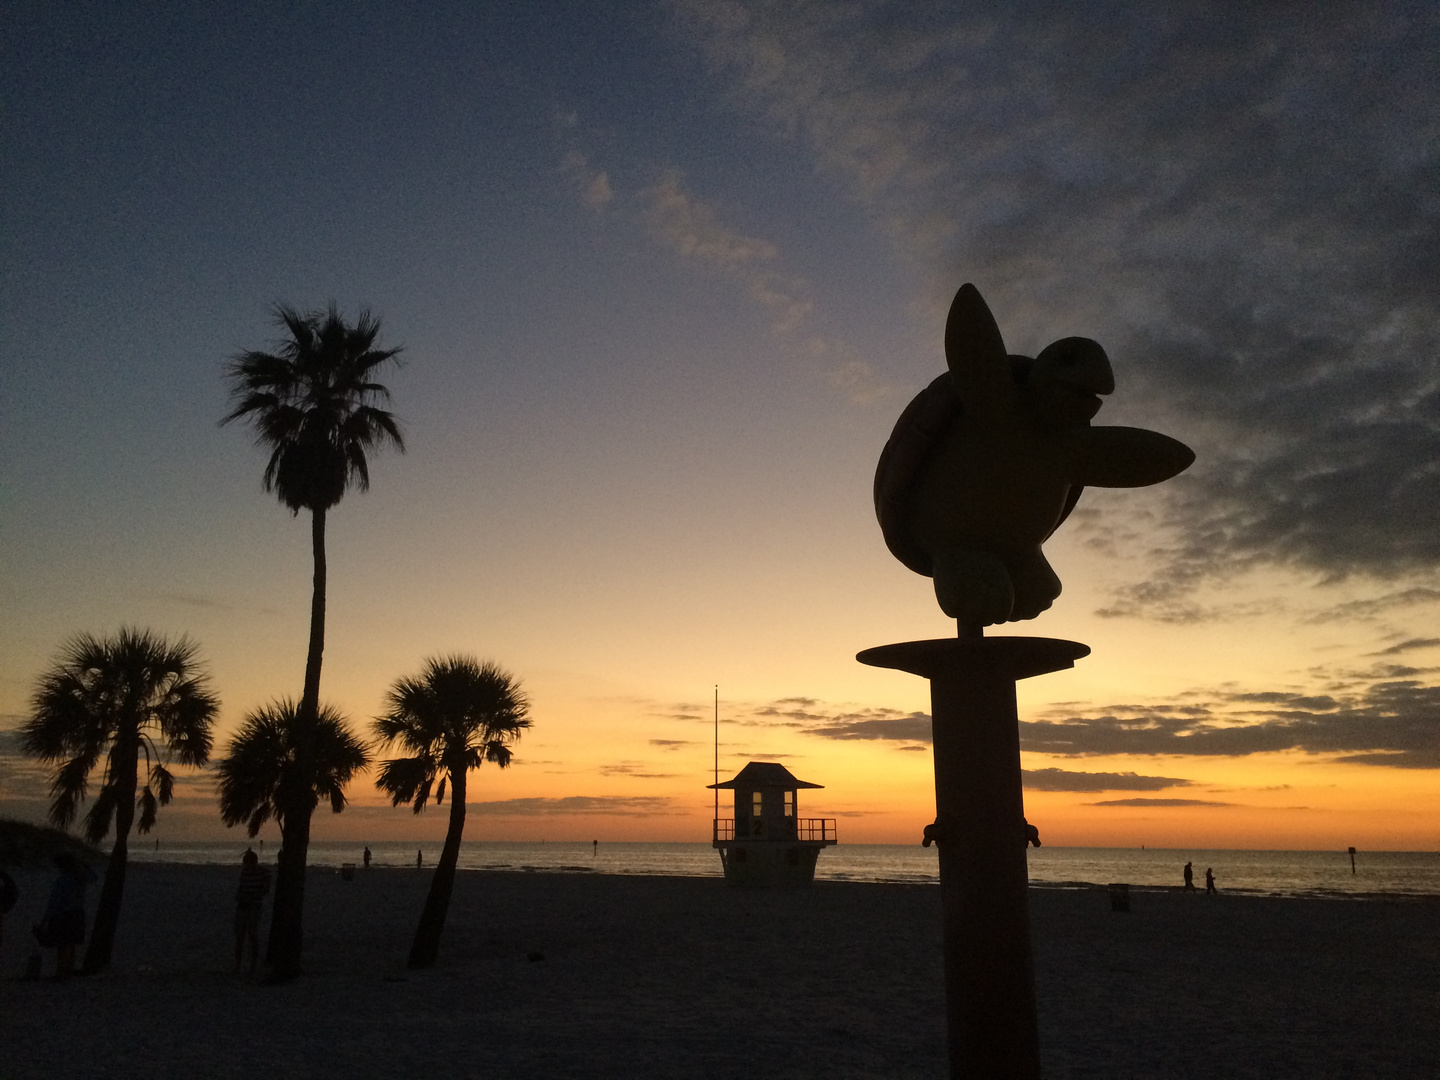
(632, 769)
(621, 805)
(869, 723)
(1239, 204)
(672, 744)
(1388, 723)
(692, 229)
(1062, 780)
(593, 184)
(1160, 802)
(1408, 646)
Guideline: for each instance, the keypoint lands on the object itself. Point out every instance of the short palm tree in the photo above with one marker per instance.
(280, 764)
(453, 716)
(316, 405)
(132, 695)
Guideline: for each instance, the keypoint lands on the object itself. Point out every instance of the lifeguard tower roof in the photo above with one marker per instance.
(764, 774)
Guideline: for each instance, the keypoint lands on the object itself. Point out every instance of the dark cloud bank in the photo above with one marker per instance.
(1393, 723)
(1240, 203)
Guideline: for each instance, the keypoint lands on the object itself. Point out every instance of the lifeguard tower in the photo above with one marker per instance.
(767, 842)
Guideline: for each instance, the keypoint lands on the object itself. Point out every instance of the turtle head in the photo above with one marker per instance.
(1067, 380)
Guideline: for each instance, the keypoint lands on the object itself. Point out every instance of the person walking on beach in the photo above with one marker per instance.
(1189, 878)
(249, 897)
(1210, 880)
(419, 859)
(367, 856)
(63, 925)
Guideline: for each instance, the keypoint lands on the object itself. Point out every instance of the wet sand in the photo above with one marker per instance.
(682, 977)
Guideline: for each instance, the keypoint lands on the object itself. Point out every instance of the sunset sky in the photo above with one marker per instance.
(665, 275)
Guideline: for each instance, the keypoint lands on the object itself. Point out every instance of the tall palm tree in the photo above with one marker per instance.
(280, 764)
(452, 717)
(314, 403)
(121, 697)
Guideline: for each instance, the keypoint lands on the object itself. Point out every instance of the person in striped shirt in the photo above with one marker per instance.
(249, 896)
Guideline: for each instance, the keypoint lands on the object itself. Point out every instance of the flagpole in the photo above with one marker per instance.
(715, 828)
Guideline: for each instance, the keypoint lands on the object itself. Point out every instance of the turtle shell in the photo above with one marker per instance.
(917, 435)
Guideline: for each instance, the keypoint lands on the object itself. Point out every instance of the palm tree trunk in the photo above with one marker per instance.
(107, 909)
(310, 699)
(284, 946)
(426, 945)
(287, 914)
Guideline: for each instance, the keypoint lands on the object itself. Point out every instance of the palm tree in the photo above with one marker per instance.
(314, 405)
(455, 715)
(280, 764)
(119, 697)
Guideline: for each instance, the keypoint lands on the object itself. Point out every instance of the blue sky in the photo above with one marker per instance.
(665, 275)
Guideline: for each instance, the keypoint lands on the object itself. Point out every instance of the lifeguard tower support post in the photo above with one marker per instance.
(767, 842)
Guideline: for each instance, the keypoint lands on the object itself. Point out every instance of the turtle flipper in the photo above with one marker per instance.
(975, 355)
(973, 587)
(1036, 586)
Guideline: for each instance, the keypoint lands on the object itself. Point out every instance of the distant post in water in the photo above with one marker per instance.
(982, 467)
(1352, 861)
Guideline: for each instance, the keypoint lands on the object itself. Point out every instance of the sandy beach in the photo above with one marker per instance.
(552, 975)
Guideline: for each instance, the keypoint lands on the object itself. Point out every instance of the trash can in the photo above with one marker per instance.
(347, 871)
(1120, 897)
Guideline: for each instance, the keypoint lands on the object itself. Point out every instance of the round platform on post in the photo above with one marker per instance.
(980, 828)
(1019, 657)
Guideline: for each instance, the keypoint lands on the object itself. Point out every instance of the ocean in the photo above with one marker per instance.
(1266, 873)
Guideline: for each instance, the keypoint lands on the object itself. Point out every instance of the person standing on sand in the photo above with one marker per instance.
(1210, 880)
(367, 856)
(249, 897)
(8, 895)
(419, 860)
(63, 925)
(1189, 878)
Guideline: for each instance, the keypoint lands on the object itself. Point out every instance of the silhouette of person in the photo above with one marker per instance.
(1210, 881)
(419, 859)
(8, 895)
(367, 855)
(595, 848)
(1189, 878)
(63, 925)
(249, 897)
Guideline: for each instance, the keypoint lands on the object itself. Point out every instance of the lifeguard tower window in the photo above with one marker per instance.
(789, 804)
(757, 803)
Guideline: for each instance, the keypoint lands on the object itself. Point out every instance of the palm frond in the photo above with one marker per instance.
(102, 812)
(115, 698)
(146, 805)
(164, 781)
(313, 403)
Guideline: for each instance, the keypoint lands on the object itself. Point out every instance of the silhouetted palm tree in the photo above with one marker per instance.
(280, 764)
(455, 715)
(122, 697)
(314, 404)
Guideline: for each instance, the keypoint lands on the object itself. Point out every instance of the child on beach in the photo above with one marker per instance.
(249, 896)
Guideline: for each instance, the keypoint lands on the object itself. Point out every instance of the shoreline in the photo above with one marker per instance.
(593, 975)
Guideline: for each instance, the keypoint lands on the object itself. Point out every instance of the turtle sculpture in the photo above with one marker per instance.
(987, 461)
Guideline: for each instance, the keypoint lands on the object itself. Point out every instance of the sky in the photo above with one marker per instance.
(665, 275)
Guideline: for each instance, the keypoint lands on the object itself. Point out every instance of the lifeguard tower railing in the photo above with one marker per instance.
(814, 830)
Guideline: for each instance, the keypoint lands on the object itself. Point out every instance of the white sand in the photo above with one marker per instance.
(682, 977)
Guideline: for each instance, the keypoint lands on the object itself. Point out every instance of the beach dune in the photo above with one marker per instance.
(581, 975)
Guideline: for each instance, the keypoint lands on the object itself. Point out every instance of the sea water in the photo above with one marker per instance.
(1273, 873)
